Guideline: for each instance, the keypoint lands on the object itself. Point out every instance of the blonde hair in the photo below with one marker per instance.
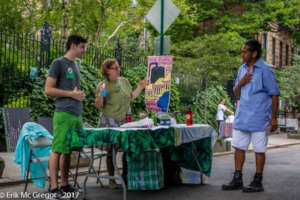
(106, 65)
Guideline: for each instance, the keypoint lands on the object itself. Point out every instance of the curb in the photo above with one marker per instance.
(251, 150)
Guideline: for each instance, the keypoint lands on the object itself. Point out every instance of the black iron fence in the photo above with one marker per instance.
(21, 55)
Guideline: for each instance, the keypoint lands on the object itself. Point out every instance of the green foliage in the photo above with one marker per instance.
(10, 15)
(245, 17)
(206, 60)
(205, 104)
(89, 82)
(175, 97)
(288, 80)
(134, 74)
(14, 82)
(43, 105)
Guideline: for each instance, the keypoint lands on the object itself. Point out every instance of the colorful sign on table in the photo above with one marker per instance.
(157, 93)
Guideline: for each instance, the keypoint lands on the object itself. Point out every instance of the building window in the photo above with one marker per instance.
(287, 55)
(274, 51)
(280, 54)
(265, 41)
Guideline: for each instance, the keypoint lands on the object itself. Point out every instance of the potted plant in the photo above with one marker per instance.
(222, 145)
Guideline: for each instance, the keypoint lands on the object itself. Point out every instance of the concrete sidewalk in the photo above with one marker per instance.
(12, 172)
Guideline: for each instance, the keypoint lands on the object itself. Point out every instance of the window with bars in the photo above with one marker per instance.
(287, 48)
(265, 41)
(280, 54)
(274, 51)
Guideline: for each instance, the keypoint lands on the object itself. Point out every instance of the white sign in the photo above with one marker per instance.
(170, 14)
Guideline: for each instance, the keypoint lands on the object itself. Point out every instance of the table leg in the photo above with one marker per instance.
(198, 164)
(116, 177)
(115, 150)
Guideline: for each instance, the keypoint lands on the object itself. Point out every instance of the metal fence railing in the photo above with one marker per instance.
(21, 53)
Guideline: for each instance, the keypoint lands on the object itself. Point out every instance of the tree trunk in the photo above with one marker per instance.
(96, 57)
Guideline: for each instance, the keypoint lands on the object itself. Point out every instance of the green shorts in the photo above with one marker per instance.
(64, 122)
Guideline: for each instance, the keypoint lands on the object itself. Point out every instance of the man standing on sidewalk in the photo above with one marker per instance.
(256, 114)
(63, 82)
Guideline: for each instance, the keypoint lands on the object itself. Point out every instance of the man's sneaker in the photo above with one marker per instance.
(56, 194)
(255, 185)
(67, 188)
(236, 183)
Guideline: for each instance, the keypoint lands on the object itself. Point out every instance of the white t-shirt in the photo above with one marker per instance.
(220, 113)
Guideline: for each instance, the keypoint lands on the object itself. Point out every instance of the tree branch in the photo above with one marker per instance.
(116, 31)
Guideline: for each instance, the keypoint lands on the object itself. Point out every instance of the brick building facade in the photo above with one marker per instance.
(278, 47)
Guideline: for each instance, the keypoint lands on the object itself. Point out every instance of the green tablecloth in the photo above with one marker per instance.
(136, 141)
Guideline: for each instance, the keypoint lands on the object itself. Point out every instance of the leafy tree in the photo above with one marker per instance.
(207, 60)
(246, 17)
(11, 16)
(288, 80)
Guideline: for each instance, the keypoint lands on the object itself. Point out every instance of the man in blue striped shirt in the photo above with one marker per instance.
(256, 114)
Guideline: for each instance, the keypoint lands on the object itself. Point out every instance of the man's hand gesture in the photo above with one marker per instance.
(79, 95)
(246, 79)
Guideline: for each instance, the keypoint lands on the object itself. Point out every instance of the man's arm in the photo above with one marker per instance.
(228, 110)
(51, 90)
(273, 122)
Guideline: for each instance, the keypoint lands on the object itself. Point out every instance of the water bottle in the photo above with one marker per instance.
(189, 117)
(104, 93)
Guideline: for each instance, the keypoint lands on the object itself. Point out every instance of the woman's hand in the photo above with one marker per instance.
(99, 98)
(138, 90)
(143, 83)
(102, 87)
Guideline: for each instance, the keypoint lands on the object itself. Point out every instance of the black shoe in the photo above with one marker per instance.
(56, 194)
(235, 184)
(255, 185)
(67, 188)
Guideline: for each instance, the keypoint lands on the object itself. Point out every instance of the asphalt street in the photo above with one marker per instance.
(281, 181)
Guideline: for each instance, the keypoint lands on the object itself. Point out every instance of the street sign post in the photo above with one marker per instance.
(161, 16)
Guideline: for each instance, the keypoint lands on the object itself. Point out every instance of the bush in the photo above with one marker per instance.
(14, 82)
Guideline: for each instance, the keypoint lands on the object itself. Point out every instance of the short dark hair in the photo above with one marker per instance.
(75, 39)
(254, 45)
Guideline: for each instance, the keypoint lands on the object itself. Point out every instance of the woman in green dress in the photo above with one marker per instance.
(113, 99)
